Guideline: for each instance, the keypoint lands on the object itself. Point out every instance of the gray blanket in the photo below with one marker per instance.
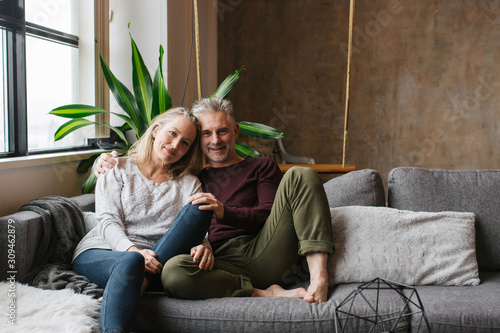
(63, 228)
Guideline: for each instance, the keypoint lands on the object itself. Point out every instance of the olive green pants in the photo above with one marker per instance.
(299, 223)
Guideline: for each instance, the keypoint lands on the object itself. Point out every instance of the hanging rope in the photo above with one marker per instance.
(197, 29)
(349, 56)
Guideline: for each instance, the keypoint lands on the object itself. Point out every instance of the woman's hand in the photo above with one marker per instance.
(152, 265)
(203, 254)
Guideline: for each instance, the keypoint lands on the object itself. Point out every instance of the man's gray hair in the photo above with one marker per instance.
(212, 105)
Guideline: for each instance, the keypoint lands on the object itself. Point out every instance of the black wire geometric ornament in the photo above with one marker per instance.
(370, 297)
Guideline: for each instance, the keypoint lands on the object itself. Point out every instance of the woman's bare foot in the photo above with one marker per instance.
(277, 291)
(144, 286)
(317, 291)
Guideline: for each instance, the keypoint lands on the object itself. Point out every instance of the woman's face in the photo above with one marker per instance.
(173, 140)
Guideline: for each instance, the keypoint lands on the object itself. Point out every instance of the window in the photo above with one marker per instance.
(40, 59)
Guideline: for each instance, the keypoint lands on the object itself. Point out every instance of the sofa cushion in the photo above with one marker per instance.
(463, 309)
(435, 190)
(362, 188)
(257, 314)
(413, 248)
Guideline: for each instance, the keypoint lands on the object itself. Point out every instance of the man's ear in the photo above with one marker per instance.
(236, 131)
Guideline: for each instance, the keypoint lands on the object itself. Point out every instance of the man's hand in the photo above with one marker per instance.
(105, 161)
(211, 203)
(203, 254)
(152, 265)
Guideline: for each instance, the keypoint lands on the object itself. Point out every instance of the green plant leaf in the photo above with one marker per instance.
(245, 150)
(77, 111)
(161, 99)
(71, 126)
(122, 146)
(129, 124)
(75, 124)
(89, 184)
(117, 131)
(142, 83)
(123, 97)
(256, 130)
(81, 110)
(86, 164)
(226, 86)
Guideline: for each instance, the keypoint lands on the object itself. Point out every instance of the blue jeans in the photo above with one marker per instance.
(121, 273)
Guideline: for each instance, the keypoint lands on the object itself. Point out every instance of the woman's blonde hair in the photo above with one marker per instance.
(190, 163)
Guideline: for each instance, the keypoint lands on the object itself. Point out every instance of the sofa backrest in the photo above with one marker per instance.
(434, 190)
(85, 201)
(356, 188)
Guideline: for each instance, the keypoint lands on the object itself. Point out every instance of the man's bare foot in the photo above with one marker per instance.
(317, 291)
(318, 287)
(277, 291)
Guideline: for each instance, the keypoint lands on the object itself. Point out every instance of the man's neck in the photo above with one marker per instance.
(227, 163)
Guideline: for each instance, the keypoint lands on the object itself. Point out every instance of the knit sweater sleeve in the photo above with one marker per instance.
(109, 210)
(252, 218)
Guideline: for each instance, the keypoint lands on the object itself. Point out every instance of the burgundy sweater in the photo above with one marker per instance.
(247, 190)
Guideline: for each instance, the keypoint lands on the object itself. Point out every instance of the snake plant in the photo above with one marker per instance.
(149, 99)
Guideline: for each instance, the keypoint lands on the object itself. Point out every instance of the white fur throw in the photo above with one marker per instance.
(413, 248)
(30, 309)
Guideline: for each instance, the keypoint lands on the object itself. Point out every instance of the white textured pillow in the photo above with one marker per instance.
(414, 248)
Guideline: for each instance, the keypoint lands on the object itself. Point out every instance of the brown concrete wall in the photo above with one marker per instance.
(425, 84)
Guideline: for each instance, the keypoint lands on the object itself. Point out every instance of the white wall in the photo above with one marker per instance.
(148, 27)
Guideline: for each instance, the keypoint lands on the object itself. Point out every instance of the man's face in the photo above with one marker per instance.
(218, 135)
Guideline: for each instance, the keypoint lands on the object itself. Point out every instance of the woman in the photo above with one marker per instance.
(136, 204)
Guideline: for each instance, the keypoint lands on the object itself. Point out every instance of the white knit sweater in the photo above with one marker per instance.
(133, 210)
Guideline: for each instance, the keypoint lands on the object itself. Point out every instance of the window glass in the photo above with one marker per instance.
(61, 15)
(4, 140)
(51, 81)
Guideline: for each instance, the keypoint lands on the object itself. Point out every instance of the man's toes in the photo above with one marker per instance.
(309, 298)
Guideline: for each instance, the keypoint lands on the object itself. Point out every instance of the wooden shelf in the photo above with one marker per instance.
(322, 168)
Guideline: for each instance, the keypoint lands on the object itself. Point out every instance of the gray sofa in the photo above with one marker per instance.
(448, 308)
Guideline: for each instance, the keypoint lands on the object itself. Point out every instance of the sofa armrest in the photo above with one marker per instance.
(26, 227)
(356, 188)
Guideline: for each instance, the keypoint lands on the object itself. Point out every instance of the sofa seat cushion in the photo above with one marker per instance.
(159, 313)
(233, 314)
(464, 309)
(434, 190)
(356, 188)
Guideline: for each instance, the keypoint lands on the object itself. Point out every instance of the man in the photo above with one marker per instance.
(261, 222)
